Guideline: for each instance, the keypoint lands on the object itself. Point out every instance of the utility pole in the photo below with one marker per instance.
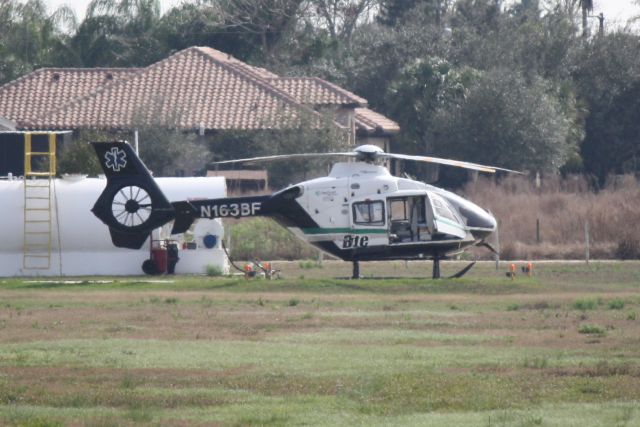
(600, 23)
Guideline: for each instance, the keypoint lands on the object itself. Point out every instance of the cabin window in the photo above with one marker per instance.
(369, 212)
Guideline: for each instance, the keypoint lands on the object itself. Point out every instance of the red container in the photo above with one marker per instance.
(160, 259)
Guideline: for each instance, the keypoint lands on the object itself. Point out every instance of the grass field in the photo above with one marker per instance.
(561, 348)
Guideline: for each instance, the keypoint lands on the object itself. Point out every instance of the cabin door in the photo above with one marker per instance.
(410, 219)
(445, 220)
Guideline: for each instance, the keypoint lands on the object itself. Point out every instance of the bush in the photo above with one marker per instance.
(628, 247)
(616, 304)
(263, 238)
(540, 362)
(309, 264)
(591, 329)
(585, 304)
(213, 271)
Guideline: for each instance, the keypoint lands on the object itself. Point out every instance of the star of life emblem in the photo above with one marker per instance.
(115, 159)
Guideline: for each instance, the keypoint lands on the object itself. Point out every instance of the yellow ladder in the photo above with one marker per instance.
(38, 179)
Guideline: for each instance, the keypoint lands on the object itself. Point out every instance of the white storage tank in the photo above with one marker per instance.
(81, 244)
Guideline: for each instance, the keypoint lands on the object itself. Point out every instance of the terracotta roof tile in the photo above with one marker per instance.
(369, 122)
(236, 63)
(316, 91)
(49, 88)
(196, 86)
(192, 87)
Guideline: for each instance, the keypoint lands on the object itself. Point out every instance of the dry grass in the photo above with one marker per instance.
(562, 208)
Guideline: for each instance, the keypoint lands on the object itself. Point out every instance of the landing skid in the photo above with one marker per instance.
(435, 274)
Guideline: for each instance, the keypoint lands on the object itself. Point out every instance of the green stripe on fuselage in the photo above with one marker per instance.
(344, 230)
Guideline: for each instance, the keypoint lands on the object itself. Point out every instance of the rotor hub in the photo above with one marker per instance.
(132, 206)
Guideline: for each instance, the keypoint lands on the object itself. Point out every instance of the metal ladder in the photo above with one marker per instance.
(38, 179)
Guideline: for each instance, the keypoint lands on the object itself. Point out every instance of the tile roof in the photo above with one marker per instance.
(315, 91)
(33, 95)
(236, 64)
(369, 122)
(196, 86)
(192, 88)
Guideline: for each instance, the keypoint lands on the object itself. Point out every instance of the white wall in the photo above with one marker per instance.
(81, 243)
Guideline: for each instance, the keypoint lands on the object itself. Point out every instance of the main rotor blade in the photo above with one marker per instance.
(285, 157)
(448, 162)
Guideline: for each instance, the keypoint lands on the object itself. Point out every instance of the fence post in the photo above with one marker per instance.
(586, 240)
(538, 230)
(497, 255)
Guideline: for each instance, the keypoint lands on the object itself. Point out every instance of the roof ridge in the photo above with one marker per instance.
(262, 82)
(88, 69)
(233, 61)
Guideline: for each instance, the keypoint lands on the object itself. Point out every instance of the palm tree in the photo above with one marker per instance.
(587, 6)
(119, 33)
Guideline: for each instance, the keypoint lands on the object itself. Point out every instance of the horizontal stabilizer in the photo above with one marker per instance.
(185, 214)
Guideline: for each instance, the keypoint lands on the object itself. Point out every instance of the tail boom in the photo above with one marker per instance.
(132, 204)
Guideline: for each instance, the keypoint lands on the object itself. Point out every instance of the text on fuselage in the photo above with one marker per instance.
(230, 209)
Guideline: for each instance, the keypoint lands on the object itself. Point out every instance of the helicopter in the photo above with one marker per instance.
(358, 212)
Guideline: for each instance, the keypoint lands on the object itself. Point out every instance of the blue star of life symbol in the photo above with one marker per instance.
(115, 159)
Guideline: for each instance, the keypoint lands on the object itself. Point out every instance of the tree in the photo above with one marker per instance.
(504, 121)
(263, 23)
(414, 96)
(606, 74)
(305, 133)
(119, 33)
(78, 157)
(612, 144)
(31, 38)
(339, 18)
(586, 6)
(395, 12)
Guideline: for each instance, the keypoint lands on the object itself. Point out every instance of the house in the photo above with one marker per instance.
(198, 89)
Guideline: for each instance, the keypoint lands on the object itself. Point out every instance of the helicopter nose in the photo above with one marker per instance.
(481, 223)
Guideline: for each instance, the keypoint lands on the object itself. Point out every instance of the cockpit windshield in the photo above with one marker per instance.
(442, 208)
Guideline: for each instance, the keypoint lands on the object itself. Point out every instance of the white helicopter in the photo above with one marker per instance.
(359, 212)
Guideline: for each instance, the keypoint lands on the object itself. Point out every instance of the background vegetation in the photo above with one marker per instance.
(521, 84)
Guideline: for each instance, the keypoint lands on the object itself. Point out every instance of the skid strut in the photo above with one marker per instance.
(436, 268)
(356, 270)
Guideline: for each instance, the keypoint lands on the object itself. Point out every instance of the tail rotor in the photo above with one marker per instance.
(132, 204)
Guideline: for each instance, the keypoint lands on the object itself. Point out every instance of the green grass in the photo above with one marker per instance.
(585, 304)
(557, 349)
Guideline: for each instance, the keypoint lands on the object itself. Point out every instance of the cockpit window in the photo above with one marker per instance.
(442, 208)
(369, 212)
